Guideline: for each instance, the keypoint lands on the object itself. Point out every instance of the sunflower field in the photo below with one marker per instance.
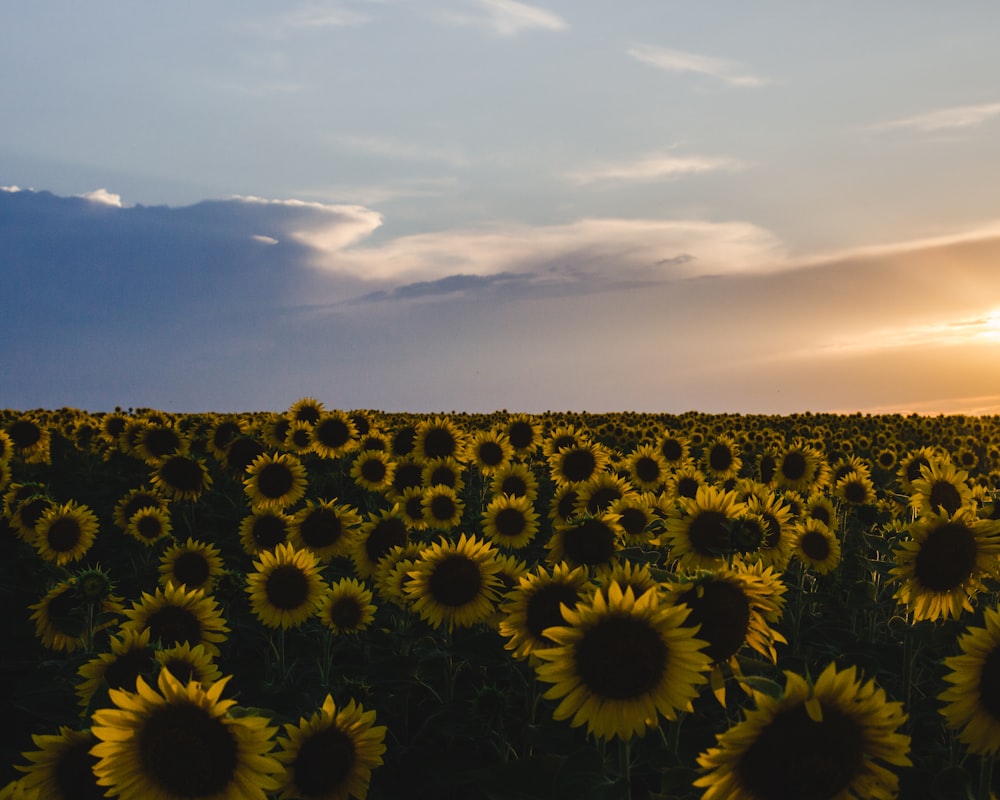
(322, 604)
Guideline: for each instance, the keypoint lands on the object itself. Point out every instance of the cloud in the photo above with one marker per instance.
(652, 167)
(103, 196)
(506, 17)
(944, 119)
(681, 61)
(388, 147)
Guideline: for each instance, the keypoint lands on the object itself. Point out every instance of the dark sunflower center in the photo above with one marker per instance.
(30, 511)
(578, 465)
(182, 473)
(269, 532)
(772, 531)
(946, 558)
(191, 569)
(856, 492)
(514, 485)
(287, 587)
(73, 771)
(332, 432)
(139, 502)
(324, 763)
(989, 684)
(602, 498)
(945, 496)
(182, 669)
(403, 441)
(439, 443)
(672, 449)
(123, 671)
(768, 466)
(455, 581)
(723, 612)
(442, 508)
(621, 657)
(815, 545)
(886, 459)
(307, 413)
(795, 757)
(373, 470)
(708, 532)
(822, 513)
(510, 522)
(275, 480)
(793, 466)
(914, 467)
(64, 534)
(720, 457)
(242, 453)
(521, 434)
(633, 521)
(490, 454)
(346, 613)
(172, 625)
(687, 487)
(24, 434)
(563, 441)
(149, 527)
(746, 535)
(161, 441)
(187, 752)
(321, 527)
(590, 541)
(542, 609)
(566, 504)
(301, 437)
(407, 476)
(443, 476)
(647, 469)
(390, 532)
(224, 434)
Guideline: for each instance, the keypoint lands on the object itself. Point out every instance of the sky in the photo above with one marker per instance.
(476, 205)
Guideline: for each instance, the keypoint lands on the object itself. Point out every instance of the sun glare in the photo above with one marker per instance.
(991, 325)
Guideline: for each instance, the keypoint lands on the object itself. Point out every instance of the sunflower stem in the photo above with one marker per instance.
(625, 764)
(985, 777)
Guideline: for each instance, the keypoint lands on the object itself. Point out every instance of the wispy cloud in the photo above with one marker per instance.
(681, 61)
(652, 167)
(324, 15)
(944, 119)
(506, 17)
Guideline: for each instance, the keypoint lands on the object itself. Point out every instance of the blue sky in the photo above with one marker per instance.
(483, 204)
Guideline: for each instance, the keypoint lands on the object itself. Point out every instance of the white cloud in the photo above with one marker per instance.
(258, 237)
(944, 118)
(103, 196)
(507, 17)
(652, 167)
(680, 61)
(10, 189)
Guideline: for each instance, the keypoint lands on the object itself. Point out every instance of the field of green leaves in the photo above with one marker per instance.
(319, 603)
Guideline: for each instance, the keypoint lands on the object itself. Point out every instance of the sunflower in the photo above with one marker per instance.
(187, 663)
(131, 656)
(816, 546)
(598, 493)
(776, 548)
(180, 742)
(699, 531)
(941, 487)
(306, 409)
(578, 463)
(149, 524)
(798, 467)
(242, 452)
(442, 508)
(856, 488)
(174, 615)
(222, 433)
(193, 565)
(587, 540)
(619, 661)
(155, 442)
(378, 534)
(135, 500)
(637, 517)
(65, 533)
(66, 619)
(181, 477)
(943, 562)
(819, 506)
(27, 511)
(333, 435)
(562, 506)
(721, 459)
(263, 530)
(373, 470)
(514, 479)
(18, 790)
(275, 481)
(647, 468)
(408, 475)
(62, 768)
(347, 607)
(331, 755)
(489, 451)
(524, 433)
(560, 437)
(685, 482)
(535, 605)
(732, 607)
(444, 471)
(393, 573)
(510, 522)
(674, 449)
(971, 702)
(299, 437)
(324, 527)
(830, 740)
(31, 439)
(626, 574)
(286, 587)
(454, 584)
(439, 437)
(911, 464)
(410, 507)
